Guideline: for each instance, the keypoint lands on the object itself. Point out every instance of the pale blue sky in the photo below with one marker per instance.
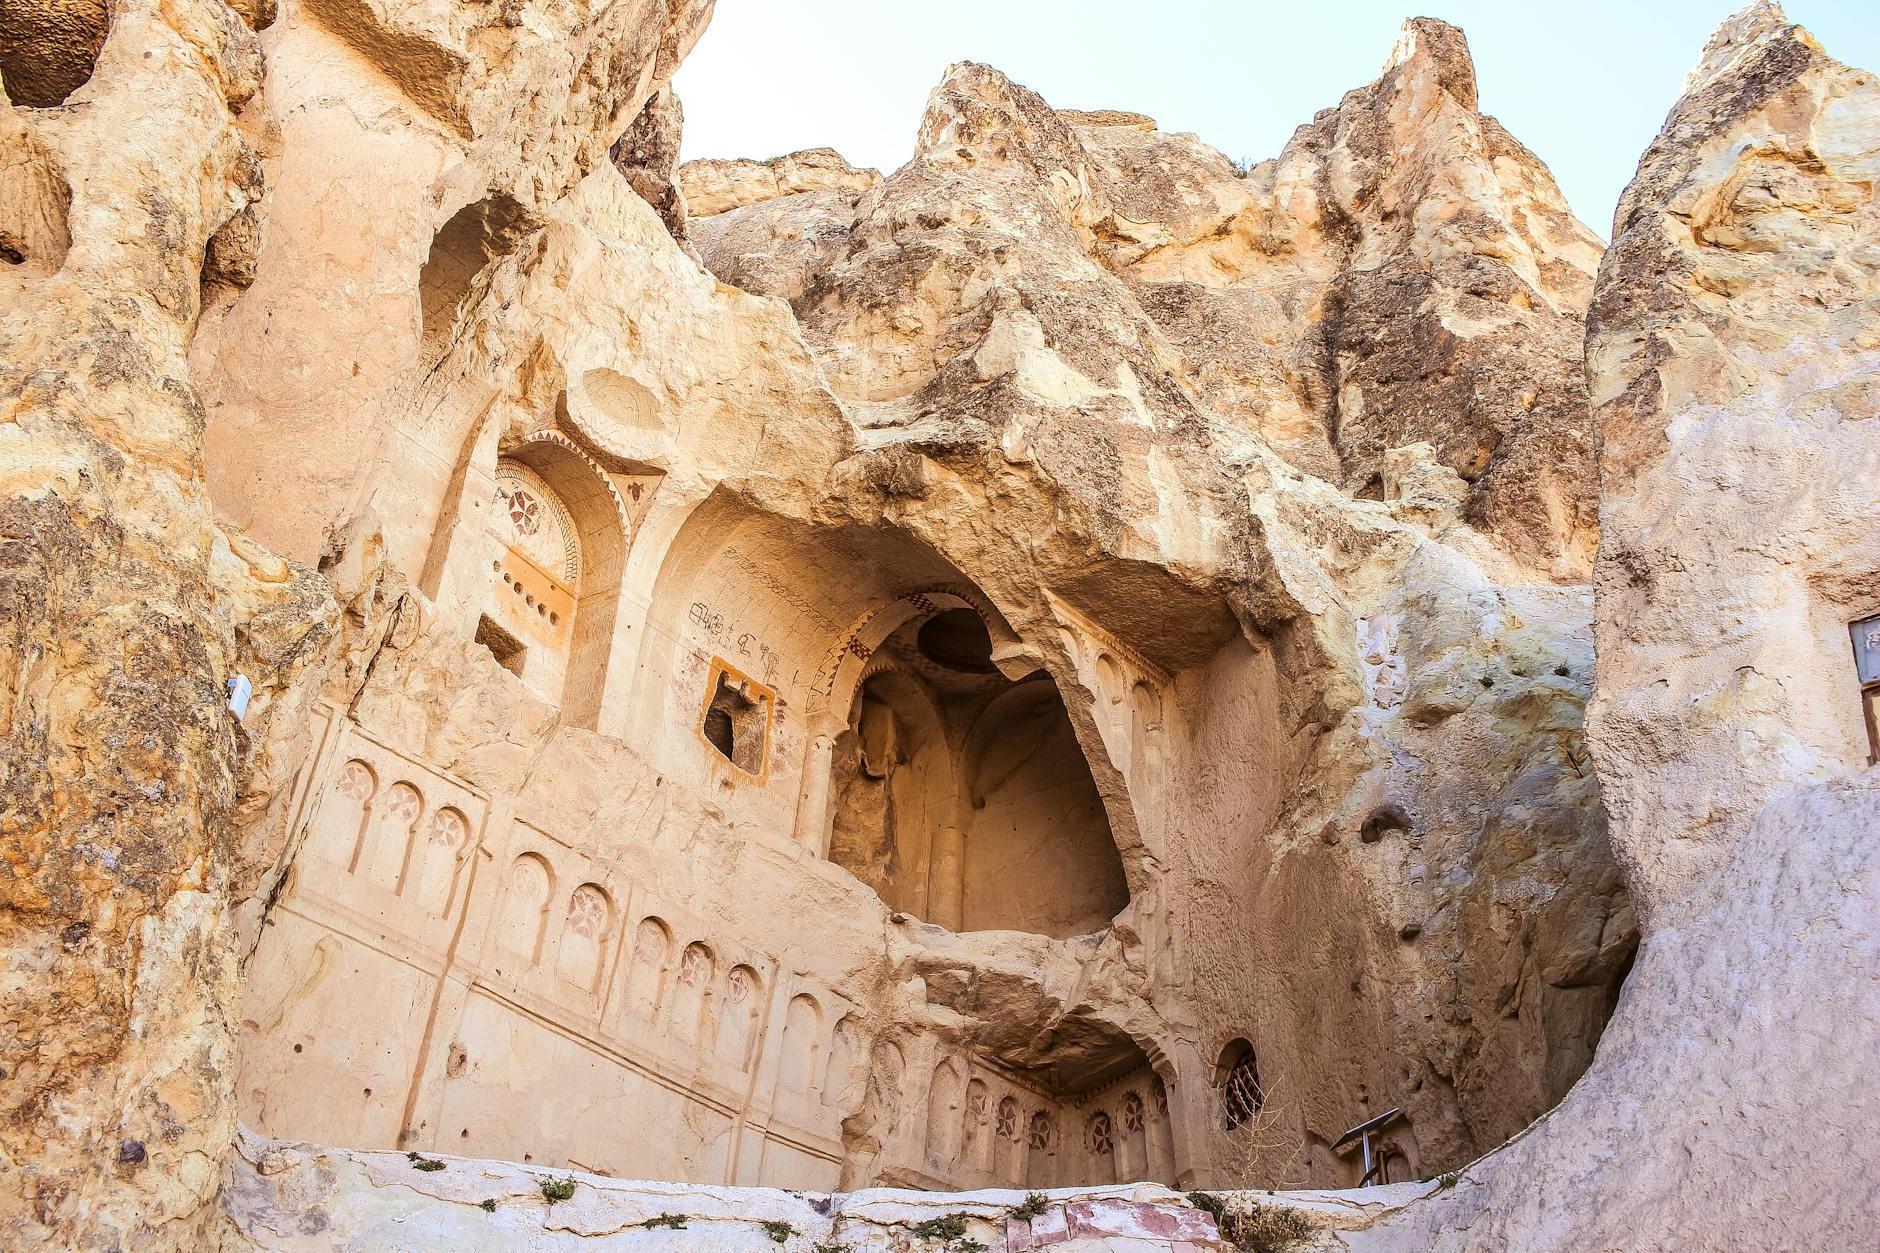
(1585, 84)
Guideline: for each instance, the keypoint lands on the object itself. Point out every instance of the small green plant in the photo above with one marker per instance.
(952, 1227)
(1448, 1179)
(1032, 1206)
(554, 1190)
(1267, 1229)
(674, 1221)
(488, 1205)
(779, 1231)
(1254, 1228)
(829, 1246)
(965, 1244)
(420, 1162)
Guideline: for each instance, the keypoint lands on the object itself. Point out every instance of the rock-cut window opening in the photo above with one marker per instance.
(963, 797)
(1242, 1096)
(736, 720)
(1866, 639)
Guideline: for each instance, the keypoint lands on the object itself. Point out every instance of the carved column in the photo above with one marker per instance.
(946, 878)
(812, 807)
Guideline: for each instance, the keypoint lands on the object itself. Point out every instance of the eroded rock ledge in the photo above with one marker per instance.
(287, 1197)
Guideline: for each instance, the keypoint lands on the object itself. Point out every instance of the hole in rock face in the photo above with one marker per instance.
(48, 48)
(718, 731)
(1240, 1094)
(963, 797)
(1383, 820)
(506, 648)
(736, 720)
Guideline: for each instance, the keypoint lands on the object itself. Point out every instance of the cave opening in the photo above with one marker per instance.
(963, 797)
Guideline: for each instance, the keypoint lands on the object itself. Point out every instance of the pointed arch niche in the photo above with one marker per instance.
(542, 559)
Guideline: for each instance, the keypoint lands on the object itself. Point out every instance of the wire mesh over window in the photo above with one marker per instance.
(1241, 1095)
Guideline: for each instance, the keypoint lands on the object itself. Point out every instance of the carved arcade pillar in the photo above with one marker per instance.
(946, 878)
(812, 807)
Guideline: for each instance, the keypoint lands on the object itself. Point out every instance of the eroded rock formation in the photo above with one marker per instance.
(1732, 360)
(1064, 664)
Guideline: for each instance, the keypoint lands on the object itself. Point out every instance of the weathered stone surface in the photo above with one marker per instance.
(1729, 356)
(1001, 671)
(713, 186)
(119, 767)
(286, 1196)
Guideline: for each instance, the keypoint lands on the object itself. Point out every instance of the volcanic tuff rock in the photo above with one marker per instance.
(127, 607)
(1002, 313)
(1734, 367)
(1274, 487)
(712, 187)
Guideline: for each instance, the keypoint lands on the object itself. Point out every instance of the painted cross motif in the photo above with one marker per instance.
(403, 803)
(448, 828)
(587, 912)
(694, 967)
(1042, 1131)
(1100, 1136)
(1132, 1114)
(738, 984)
(355, 781)
(525, 511)
(1161, 1100)
(1005, 1122)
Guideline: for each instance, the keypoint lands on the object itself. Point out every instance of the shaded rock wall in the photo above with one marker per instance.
(1728, 356)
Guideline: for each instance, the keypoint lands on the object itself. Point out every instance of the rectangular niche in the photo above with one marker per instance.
(509, 651)
(735, 720)
(1866, 637)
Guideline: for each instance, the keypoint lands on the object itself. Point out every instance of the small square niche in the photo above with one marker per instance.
(506, 648)
(735, 721)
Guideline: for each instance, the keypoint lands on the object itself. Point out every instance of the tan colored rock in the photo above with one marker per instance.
(121, 759)
(741, 671)
(1061, 666)
(1727, 353)
(712, 186)
(974, 304)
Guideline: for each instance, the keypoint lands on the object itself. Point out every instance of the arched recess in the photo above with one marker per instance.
(1039, 855)
(861, 662)
(549, 561)
(1240, 1094)
(929, 709)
